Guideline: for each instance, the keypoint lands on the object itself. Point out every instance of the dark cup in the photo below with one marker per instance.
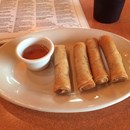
(108, 11)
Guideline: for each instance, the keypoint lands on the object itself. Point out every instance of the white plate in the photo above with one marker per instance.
(34, 90)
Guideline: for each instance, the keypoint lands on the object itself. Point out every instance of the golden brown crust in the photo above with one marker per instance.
(98, 70)
(62, 80)
(83, 74)
(114, 59)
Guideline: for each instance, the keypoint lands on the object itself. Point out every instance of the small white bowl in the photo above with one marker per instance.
(35, 64)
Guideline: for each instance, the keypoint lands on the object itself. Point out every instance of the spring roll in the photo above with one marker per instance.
(97, 67)
(83, 74)
(61, 65)
(114, 59)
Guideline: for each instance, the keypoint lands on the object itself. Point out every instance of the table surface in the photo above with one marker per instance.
(116, 117)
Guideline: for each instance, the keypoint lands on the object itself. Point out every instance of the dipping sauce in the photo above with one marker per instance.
(35, 51)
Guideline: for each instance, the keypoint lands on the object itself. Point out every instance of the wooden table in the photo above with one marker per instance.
(122, 27)
(116, 117)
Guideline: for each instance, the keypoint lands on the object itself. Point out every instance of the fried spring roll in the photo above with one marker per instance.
(98, 70)
(114, 59)
(62, 80)
(83, 74)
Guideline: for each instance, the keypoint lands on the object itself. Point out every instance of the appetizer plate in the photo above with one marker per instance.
(34, 90)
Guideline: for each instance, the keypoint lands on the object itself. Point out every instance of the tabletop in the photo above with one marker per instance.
(116, 117)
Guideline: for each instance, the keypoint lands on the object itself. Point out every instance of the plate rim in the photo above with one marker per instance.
(66, 111)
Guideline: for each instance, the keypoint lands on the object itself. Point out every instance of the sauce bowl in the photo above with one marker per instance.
(36, 64)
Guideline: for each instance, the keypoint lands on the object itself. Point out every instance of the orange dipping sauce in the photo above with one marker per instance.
(35, 51)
